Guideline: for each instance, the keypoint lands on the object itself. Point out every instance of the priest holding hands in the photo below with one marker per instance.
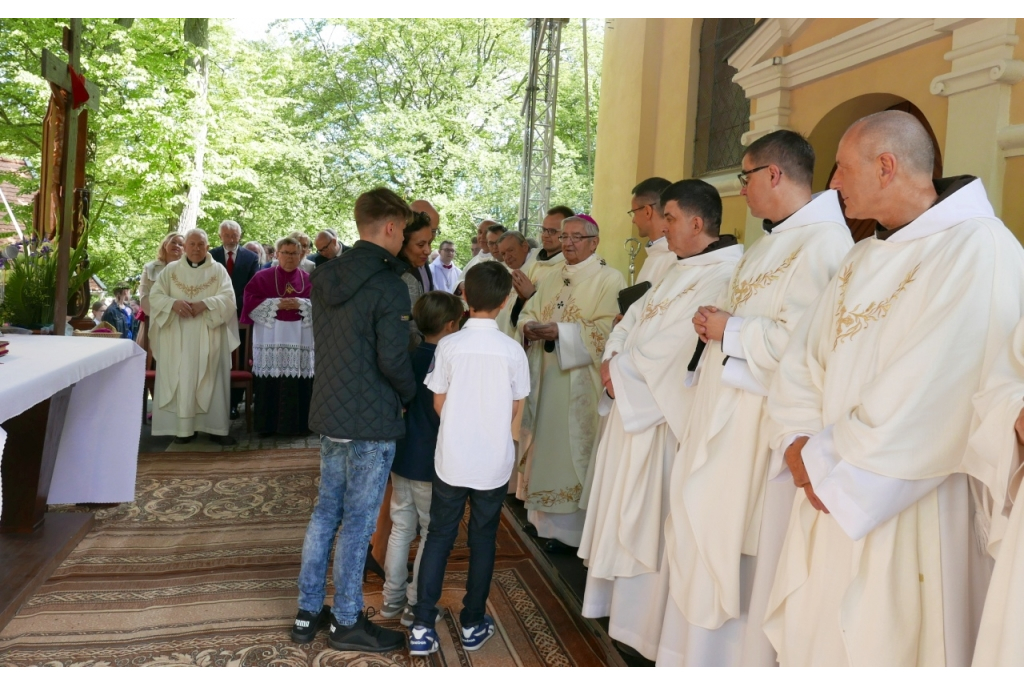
(194, 328)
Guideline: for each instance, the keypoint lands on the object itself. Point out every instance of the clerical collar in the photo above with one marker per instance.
(724, 241)
(769, 226)
(195, 265)
(944, 188)
(543, 255)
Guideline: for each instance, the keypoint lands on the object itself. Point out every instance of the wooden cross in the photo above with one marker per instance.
(56, 72)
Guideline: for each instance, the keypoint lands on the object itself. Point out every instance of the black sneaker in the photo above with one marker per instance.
(307, 623)
(364, 636)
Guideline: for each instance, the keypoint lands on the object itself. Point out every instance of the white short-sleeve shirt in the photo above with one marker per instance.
(481, 371)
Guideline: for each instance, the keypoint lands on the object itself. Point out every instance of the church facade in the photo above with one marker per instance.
(681, 98)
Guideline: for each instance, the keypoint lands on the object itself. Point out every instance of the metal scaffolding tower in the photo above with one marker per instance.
(539, 129)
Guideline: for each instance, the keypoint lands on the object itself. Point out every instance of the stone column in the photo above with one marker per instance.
(978, 88)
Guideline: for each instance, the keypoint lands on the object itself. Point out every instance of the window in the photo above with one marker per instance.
(723, 112)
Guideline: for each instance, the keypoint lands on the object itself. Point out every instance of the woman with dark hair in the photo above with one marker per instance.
(415, 252)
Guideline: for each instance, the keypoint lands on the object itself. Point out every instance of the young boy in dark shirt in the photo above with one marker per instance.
(437, 314)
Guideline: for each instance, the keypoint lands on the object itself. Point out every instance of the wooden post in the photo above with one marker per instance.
(56, 72)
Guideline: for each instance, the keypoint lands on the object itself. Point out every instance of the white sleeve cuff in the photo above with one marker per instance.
(306, 310)
(736, 374)
(859, 500)
(731, 343)
(637, 406)
(572, 353)
(266, 312)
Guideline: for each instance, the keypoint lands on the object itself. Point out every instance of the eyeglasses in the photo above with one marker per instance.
(281, 253)
(632, 212)
(448, 249)
(574, 239)
(550, 231)
(743, 176)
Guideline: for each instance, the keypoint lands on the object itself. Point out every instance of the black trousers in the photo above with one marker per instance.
(447, 505)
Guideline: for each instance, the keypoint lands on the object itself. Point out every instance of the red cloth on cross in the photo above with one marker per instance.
(79, 95)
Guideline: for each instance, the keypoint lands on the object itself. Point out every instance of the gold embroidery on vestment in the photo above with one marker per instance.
(549, 498)
(850, 322)
(741, 292)
(193, 290)
(652, 310)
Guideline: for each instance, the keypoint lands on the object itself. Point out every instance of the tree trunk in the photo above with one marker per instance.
(197, 33)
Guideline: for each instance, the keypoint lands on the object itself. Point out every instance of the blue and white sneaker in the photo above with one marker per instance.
(423, 641)
(474, 638)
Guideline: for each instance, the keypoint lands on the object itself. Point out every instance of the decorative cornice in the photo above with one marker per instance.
(1011, 140)
(769, 36)
(866, 43)
(1007, 71)
(726, 183)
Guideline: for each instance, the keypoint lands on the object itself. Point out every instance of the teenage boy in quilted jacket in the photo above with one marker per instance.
(363, 377)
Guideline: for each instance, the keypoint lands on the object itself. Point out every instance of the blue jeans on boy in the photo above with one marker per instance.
(352, 479)
(447, 505)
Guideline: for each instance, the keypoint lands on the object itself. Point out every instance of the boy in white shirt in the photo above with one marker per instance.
(479, 377)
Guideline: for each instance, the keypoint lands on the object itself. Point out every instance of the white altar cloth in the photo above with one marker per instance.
(99, 446)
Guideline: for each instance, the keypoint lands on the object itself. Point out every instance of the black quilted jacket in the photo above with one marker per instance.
(363, 373)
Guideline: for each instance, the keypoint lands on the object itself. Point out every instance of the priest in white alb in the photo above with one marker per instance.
(872, 403)
(193, 329)
(517, 255)
(726, 522)
(994, 457)
(549, 256)
(566, 324)
(644, 375)
(484, 255)
(645, 211)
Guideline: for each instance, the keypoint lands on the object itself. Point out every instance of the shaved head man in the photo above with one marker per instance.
(878, 454)
(884, 169)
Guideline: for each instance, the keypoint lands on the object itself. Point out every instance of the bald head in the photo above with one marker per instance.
(884, 169)
(901, 135)
(425, 206)
(481, 234)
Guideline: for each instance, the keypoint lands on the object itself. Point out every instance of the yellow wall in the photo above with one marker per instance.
(646, 120)
(1013, 181)
(824, 109)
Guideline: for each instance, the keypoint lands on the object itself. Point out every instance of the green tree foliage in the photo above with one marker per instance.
(299, 122)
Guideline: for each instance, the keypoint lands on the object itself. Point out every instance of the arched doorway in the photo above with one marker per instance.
(843, 116)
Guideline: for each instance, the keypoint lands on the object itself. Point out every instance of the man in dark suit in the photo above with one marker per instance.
(241, 265)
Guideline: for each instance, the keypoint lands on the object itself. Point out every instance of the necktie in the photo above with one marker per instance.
(231, 262)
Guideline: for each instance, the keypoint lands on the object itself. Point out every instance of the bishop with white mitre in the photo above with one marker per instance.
(645, 368)
(566, 323)
(725, 525)
(876, 567)
(193, 329)
(994, 457)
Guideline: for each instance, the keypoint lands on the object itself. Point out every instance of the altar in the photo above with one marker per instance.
(70, 422)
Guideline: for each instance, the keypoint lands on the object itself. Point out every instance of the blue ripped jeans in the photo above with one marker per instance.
(352, 479)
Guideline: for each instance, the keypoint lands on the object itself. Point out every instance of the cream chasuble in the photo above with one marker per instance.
(994, 456)
(538, 268)
(623, 536)
(657, 263)
(560, 420)
(881, 374)
(714, 532)
(193, 355)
